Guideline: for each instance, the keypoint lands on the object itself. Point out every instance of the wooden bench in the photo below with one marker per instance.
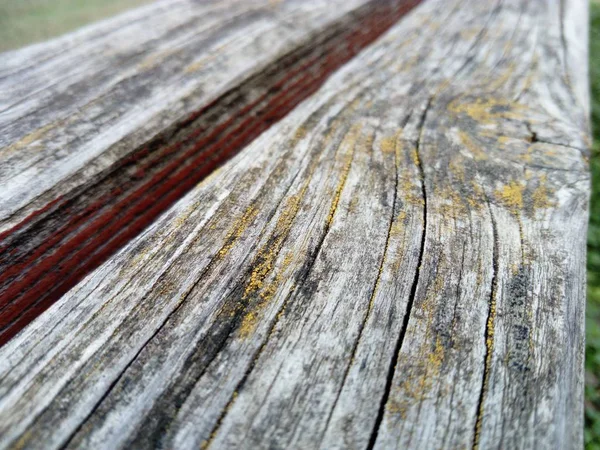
(394, 259)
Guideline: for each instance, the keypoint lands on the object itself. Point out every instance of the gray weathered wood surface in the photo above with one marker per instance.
(96, 151)
(399, 263)
(72, 107)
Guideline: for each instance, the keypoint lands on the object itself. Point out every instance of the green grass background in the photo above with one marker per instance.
(26, 21)
(592, 359)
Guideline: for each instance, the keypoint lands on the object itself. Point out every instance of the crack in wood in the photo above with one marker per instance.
(489, 333)
(351, 360)
(413, 289)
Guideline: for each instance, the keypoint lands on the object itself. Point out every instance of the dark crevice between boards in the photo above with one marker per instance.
(55, 247)
(413, 289)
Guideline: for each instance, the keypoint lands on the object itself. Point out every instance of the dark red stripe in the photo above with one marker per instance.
(52, 249)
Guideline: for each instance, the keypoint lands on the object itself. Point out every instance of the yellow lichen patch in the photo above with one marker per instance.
(457, 169)
(487, 110)
(541, 195)
(397, 227)
(248, 324)
(265, 262)
(411, 191)
(251, 319)
(422, 367)
(415, 389)
(388, 144)
(237, 229)
(397, 406)
(348, 145)
(299, 134)
(338, 191)
(195, 66)
(477, 199)
(479, 279)
(527, 156)
(514, 268)
(488, 133)
(490, 327)
(267, 255)
(489, 344)
(415, 157)
(511, 196)
(30, 138)
(436, 357)
(438, 284)
(366, 144)
(24, 440)
(473, 148)
(451, 204)
(504, 141)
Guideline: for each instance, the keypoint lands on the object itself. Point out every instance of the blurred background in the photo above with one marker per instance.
(23, 22)
(592, 360)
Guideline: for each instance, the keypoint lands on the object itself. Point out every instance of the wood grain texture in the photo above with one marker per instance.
(398, 263)
(103, 152)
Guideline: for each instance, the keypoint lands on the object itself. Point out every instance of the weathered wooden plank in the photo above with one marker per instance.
(92, 157)
(398, 263)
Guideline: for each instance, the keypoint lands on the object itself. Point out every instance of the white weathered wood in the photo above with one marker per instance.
(399, 263)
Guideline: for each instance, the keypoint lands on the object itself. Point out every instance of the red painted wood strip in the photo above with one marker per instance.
(50, 251)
